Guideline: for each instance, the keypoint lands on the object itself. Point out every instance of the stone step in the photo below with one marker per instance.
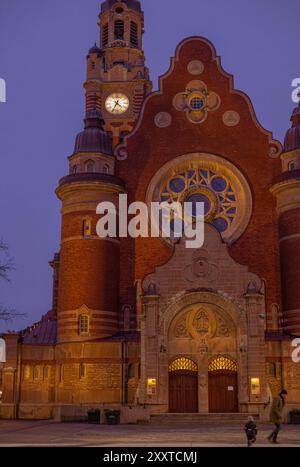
(169, 418)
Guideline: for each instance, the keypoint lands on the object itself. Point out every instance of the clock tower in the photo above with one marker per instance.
(117, 78)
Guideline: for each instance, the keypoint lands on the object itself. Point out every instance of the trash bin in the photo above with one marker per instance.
(94, 416)
(295, 417)
(112, 417)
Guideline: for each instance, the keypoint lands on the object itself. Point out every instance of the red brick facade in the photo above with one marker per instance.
(124, 310)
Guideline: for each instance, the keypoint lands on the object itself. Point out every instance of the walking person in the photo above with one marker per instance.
(251, 431)
(276, 415)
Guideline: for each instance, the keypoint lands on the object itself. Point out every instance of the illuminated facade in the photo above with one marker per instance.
(146, 322)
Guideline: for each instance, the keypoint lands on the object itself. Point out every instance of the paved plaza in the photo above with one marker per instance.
(32, 433)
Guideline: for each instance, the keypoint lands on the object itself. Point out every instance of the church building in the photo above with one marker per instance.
(147, 326)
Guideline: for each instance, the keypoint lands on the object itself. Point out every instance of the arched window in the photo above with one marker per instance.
(83, 324)
(119, 30)
(74, 170)
(87, 228)
(130, 371)
(105, 35)
(26, 372)
(221, 364)
(106, 169)
(90, 166)
(81, 370)
(183, 364)
(273, 369)
(93, 65)
(134, 41)
(292, 166)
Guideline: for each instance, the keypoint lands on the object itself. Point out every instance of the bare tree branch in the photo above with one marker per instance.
(6, 266)
(6, 262)
(7, 314)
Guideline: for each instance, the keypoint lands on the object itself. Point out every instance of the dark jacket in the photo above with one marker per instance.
(251, 429)
(277, 409)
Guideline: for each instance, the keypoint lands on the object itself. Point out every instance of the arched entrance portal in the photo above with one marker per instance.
(183, 386)
(222, 386)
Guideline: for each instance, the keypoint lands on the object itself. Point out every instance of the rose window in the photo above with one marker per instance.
(206, 186)
(202, 178)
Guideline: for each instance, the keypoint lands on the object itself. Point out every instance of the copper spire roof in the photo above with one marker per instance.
(133, 4)
(43, 332)
(292, 137)
(94, 138)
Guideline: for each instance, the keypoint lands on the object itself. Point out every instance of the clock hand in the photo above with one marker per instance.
(116, 103)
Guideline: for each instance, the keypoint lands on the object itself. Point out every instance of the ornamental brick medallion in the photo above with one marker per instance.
(231, 118)
(195, 67)
(163, 120)
(196, 101)
(201, 268)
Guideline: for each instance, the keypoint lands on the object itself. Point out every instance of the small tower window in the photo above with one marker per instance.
(106, 169)
(74, 170)
(93, 65)
(119, 30)
(273, 370)
(81, 370)
(90, 166)
(87, 228)
(292, 166)
(83, 324)
(134, 41)
(105, 35)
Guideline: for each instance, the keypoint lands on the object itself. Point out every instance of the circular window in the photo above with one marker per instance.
(205, 186)
(208, 179)
(177, 185)
(199, 198)
(119, 11)
(197, 103)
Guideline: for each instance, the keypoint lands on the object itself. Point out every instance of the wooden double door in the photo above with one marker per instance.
(223, 391)
(183, 391)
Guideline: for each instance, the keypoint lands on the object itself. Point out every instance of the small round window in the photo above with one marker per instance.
(197, 103)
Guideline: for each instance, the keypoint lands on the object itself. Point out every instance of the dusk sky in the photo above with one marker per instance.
(43, 46)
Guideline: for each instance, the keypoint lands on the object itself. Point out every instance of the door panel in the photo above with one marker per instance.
(223, 392)
(183, 392)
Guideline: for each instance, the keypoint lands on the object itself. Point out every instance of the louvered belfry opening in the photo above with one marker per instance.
(134, 42)
(119, 30)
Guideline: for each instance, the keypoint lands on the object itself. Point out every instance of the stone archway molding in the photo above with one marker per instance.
(205, 297)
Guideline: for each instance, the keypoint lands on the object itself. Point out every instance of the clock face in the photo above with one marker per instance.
(117, 103)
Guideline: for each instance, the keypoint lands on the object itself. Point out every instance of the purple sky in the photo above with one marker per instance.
(43, 45)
